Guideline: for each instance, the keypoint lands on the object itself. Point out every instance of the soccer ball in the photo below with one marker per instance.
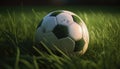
(65, 30)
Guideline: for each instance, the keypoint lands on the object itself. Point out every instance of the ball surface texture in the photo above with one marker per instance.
(65, 30)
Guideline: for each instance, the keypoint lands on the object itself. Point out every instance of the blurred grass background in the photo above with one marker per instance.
(18, 49)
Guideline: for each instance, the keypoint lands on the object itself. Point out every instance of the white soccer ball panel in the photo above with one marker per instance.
(75, 31)
(49, 23)
(64, 19)
(68, 12)
(66, 44)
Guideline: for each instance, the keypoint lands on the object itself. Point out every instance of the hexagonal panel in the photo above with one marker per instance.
(79, 45)
(60, 31)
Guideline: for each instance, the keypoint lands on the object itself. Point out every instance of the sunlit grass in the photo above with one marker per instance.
(18, 49)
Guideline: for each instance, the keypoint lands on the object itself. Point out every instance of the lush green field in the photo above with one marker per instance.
(18, 49)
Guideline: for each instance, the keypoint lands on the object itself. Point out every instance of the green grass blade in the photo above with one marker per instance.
(17, 59)
(27, 63)
(61, 52)
(39, 51)
(46, 48)
(35, 62)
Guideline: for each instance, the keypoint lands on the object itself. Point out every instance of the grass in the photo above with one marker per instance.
(18, 49)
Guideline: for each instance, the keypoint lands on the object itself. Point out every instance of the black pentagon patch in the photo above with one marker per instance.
(79, 45)
(56, 13)
(60, 31)
(40, 23)
(75, 19)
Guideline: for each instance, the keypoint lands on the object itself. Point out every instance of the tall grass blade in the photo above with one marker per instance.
(17, 59)
(46, 48)
(61, 52)
(39, 51)
(35, 62)
(27, 63)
